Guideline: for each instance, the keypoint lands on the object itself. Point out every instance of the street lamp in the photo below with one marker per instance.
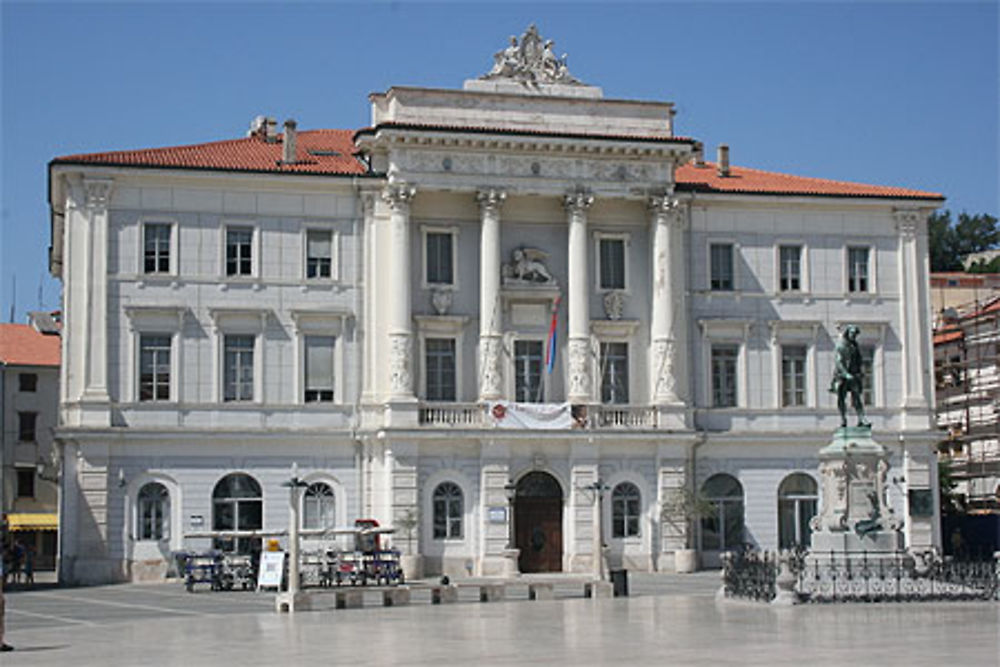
(293, 484)
(598, 487)
(510, 488)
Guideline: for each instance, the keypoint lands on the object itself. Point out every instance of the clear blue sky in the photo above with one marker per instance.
(894, 93)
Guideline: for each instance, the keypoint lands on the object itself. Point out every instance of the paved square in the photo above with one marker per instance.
(670, 619)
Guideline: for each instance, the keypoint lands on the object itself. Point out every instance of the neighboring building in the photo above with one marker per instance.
(29, 394)
(957, 291)
(376, 306)
(966, 355)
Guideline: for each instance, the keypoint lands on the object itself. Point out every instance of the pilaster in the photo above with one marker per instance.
(915, 306)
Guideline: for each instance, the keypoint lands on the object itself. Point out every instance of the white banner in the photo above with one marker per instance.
(544, 416)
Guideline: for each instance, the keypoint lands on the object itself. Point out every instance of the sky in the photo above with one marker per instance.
(892, 93)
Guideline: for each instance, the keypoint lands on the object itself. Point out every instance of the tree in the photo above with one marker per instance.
(950, 241)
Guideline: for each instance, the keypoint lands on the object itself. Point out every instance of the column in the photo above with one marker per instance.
(576, 204)
(490, 316)
(398, 196)
(667, 339)
(915, 306)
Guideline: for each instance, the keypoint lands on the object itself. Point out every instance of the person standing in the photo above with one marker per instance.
(4, 647)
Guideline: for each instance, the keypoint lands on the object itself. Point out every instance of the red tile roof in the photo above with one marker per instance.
(743, 180)
(323, 152)
(331, 152)
(22, 345)
(948, 337)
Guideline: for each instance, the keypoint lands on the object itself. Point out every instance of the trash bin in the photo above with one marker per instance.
(619, 582)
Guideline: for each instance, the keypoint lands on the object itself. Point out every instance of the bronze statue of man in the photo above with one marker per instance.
(848, 374)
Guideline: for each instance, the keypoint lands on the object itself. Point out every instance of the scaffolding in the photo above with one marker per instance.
(967, 386)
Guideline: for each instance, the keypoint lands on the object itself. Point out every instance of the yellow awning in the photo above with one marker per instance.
(33, 521)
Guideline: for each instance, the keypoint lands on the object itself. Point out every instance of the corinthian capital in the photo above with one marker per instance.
(97, 192)
(490, 200)
(907, 221)
(398, 195)
(578, 201)
(665, 208)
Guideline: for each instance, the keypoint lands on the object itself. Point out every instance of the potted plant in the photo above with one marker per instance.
(682, 509)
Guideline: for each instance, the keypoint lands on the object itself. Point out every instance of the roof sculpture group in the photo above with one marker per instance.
(531, 61)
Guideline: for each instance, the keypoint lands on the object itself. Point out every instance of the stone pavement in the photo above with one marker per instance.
(671, 619)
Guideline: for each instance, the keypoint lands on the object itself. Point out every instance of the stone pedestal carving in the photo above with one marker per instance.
(854, 515)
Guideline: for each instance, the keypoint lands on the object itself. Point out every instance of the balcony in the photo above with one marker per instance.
(593, 417)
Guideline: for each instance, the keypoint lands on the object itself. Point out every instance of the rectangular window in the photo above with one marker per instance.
(721, 267)
(724, 375)
(439, 258)
(27, 382)
(239, 368)
(239, 251)
(154, 367)
(868, 375)
(793, 375)
(26, 426)
(319, 369)
(790, 258)
(439, 364)
(614, 372)
(25, 482)
(612, 263)
(857, 270)
(528, 371)
(319, 253)
(156, 247)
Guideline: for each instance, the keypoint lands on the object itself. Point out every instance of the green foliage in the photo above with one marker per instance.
(682, 508)
(407, 522)
(951, 502)
(949, 241)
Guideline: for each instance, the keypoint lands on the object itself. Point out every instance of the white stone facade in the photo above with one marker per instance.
(477, 174)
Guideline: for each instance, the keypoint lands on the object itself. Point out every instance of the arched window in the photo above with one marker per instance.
(448, 510)
(796, 506)
(625, 510)
(153, 512)
(237, 505)
(317, 507)
(722, 528)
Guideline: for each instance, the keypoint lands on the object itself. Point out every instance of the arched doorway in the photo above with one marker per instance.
(538, 523)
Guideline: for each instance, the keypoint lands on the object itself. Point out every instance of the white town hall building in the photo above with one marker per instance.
(376, 307)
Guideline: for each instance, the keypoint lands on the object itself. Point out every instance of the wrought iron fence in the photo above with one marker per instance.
(859, 576)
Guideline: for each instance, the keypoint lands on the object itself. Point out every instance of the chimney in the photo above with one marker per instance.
(699, 155)
(270, 130)
(723, 160)
(288, 147)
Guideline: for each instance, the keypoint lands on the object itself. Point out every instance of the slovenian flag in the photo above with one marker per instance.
(550, 350)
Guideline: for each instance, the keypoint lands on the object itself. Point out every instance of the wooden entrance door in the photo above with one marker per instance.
(538, 523)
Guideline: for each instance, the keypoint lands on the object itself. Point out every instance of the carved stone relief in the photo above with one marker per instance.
(527, 267)
(530, 61)
(491, 374)
(441, 300)
(663, 371)
(614, 304)
(400, 374)
(579, 374)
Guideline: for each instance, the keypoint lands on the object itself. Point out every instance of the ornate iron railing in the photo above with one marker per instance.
(858, 576)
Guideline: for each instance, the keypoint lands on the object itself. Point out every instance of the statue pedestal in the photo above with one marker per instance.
(854, 516)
